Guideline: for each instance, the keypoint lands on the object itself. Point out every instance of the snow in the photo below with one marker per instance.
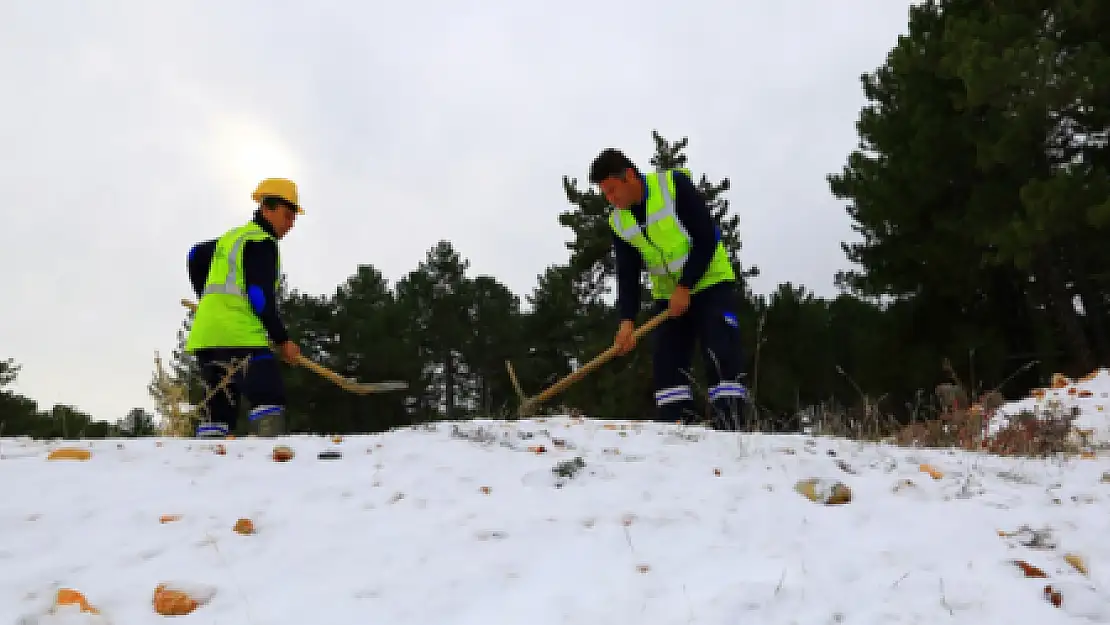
(466, 524)
(1090, 396)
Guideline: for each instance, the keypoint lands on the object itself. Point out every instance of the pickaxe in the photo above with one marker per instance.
(528, 405)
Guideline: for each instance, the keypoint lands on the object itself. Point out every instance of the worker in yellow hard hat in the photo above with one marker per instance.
(236, 278)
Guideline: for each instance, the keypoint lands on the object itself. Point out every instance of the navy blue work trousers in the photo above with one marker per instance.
(711, 324)
(259, 382)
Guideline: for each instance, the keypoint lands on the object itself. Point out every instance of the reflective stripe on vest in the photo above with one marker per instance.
(231, 282)
(225, 316)
(628, 231)
(663, 242)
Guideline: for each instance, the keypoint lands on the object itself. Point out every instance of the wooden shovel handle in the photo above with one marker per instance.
(333, 377)
(528, 405)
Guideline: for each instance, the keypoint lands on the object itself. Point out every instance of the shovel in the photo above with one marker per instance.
(347, 384)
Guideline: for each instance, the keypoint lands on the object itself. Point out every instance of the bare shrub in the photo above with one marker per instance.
(1027, 434)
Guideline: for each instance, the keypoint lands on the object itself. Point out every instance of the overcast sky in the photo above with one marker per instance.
(131, 129)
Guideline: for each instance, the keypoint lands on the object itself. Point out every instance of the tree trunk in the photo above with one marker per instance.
(1043, 328)
(1010, 302)
(1079, 358)
(449, 384)
(1094, 308)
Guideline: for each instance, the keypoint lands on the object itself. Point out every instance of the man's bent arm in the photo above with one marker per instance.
(260, 276)
(629, 264)
(200, 260)
(692, 211)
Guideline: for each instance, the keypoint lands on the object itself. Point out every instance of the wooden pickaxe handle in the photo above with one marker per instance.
(558, 387)
(322, 371)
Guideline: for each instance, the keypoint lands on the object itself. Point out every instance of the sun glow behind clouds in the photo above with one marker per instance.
(245, 150)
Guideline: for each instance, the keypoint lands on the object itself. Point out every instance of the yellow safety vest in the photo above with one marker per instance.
(224, 316)
(663, 242)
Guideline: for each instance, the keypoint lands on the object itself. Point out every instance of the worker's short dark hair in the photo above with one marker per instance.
(611, 162)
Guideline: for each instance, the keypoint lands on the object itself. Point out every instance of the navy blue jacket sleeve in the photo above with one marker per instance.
(629, 265)
(200, 259)
(260, 275)
(692, 211)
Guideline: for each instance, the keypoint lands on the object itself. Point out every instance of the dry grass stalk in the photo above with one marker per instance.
(170, 395)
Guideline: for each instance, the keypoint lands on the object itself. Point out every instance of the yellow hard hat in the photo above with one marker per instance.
(280, 188)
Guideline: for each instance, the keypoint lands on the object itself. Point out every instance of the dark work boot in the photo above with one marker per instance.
(729, 400)
(678, 412)
(212, 429)
(268, 421)
(729, 414)
(675, 404)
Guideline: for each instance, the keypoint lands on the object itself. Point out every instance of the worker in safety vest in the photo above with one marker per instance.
(235, 278)
(661, 224)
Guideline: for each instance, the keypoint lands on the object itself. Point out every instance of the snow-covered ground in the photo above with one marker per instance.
(1089, 395)
(446, 526)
